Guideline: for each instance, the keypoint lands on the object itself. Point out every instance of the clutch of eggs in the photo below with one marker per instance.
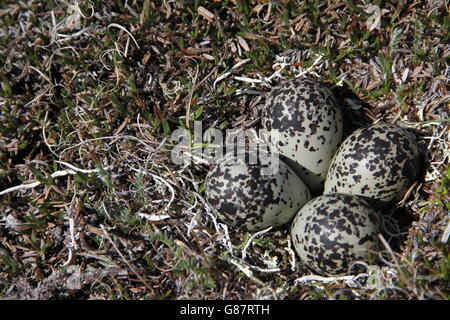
(372, 168)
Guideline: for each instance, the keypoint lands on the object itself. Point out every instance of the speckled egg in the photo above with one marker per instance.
(301, 121)
(378, 162)
(250, 196)
(334, 230)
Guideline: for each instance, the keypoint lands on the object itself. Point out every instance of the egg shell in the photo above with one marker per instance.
(245, 196)
(379, 162)
(334, 230)
(302, 121)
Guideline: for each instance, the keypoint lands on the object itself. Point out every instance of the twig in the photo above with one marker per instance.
(249, 242)
(265, 270)
(401, 274)
(172, 190)
(124, 259)
(324, 279)
(311, 68)
(43, 75)
(191, 93)
(73, 244)
(205, 78)
(125, 30)
(87, 171)
(291, 253)
(242, 266)
(226, 74)
(250, 80)
(61, 173)
(446, 233)
(154, 217)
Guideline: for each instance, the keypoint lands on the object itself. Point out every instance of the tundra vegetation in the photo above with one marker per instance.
(91, 92)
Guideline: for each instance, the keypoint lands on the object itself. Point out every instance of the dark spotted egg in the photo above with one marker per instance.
(301, 121)
(379, 162)
(254, 196)
(334, 230)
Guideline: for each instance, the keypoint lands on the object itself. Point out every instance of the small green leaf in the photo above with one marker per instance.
(166, 127)
(43, 178)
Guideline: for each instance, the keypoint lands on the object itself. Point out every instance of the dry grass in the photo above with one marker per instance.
(92, 90)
